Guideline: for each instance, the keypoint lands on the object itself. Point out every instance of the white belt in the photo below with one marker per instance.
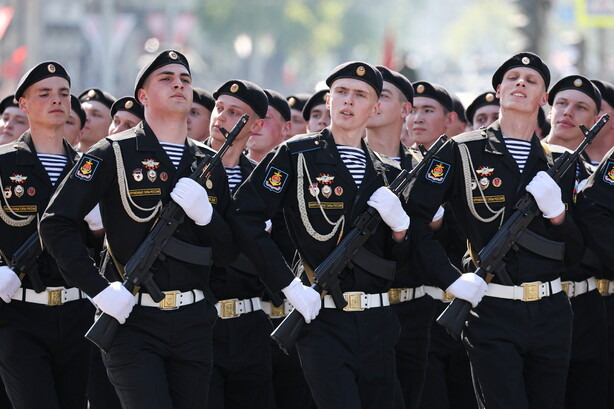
(438, 294)
(276, 312)
(399, 295)
(52, 296)
(605, 287)
(576, 288)
(172, 299)
(234, 307)
(526, 291)
(358, 301)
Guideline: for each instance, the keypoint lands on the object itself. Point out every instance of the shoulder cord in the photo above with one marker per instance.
(301, 168)
(124, 192)
(468, 173)
(26, 220)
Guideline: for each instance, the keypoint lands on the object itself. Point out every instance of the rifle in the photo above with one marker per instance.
(327, 273)
(138, 269)
(24, 262)
(491, 257)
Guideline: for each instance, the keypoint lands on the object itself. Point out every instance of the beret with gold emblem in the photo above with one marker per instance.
(96, 94)
(319, 98)
(166, 57)
(482, 100)
(128, 104)
(75, 106)
(38, 73)
(524, 59)
(458, 107)
(277, 101)
(8, 101)
(247, 92)
(204, 98)
(398, 80)
(358, 70)
(433, 91)
(297, 101)
(578, 83)
(606, 89)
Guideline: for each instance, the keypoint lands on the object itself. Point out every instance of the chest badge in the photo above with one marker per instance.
(18, 178)
(497, 182)
(19, 190)
(325, 179)
(484, 182)
(327, 191)
(31, 191)
(314, 189)
(338, 190)
(608, 176)
(474, 184)
(485, 171)
(152, 175)
(163, 176)
(209, 184)
(8, 193)
(137, 174)
(150, 164)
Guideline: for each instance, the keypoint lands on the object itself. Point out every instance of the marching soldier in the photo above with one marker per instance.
(200, 115)
(276, 125)
(97, 106)
(127, 113)
(161, 355)
(315, 112)
(483, 111)
(596, 151)
(298, 124)
(13, 121)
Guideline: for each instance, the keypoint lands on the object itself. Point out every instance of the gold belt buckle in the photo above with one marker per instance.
(447, 296)
(354, 301)
(394, 295)
(228, 308)
(278, 312)
(602, 286)
(565, 286)
(54, 297)
(170, 300)
(531, 291)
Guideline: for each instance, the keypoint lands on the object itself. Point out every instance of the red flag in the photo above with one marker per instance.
(388, 53)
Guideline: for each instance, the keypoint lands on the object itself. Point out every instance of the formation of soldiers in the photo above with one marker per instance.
(86, 178)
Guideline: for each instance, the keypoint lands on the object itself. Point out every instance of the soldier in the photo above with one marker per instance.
(459, 122)
(276, 124)
(200, 115)
(127, 113)
(483, 111)
(315, 112)
(97, 106)
(161, 355)
(298, 124)
(43, 355)
(596, 151)
(432, 113)
(525, 327)
(75, 123)
(13, 122)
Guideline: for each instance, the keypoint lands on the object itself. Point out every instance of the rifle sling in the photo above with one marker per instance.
(374, 264)
(244, 265)
(187, 252)
(554, 250)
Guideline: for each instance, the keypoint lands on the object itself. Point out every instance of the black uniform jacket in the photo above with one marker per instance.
(272, 186)
(150, 177)
(502, 186)
(27, 190)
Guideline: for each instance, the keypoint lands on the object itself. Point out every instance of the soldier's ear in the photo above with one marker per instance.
(327, 99)
(544, 99)
(497, 93)
(23, 105)
(142, 96)
(406, 109)
(257, 126)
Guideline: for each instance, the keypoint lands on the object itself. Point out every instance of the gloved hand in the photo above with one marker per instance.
(388, 205)
(116, 301)
(439, 214)
(94, 219)
(9, 283)
(547, 194)
(469, 287)
(305, 299)
(194, 200)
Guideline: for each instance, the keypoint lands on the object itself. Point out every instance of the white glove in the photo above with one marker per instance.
(268, 225)
(194, 200)
(469, 287)
(94, 219)
(439, 214)
(547, 194)
(305, 299)
(116, 301)
(9, 283)
(388, 205)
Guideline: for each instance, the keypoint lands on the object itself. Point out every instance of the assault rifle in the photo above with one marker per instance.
(327, 273)
(138, 269)
(491, 257)
(24, 262)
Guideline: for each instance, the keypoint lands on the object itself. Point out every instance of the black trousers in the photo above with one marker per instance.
(348, 358)
(163, 359)
(289, 385)
(416, 318)
(100, 393)
(448, 382)
(608, 301)
(519, 352)
(242, 370)
(44, 358)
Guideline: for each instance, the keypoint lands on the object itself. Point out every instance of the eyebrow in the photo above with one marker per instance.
(364, 91)
(182, 74)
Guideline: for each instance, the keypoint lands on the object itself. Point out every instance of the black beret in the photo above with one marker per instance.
(128, 104)
(607, 91)
(75, 106)
(319, 98)
(297, 101)
(358, 70)
(8, 101)
(247, 92)
(486, 98)
(525, 59)
(164, 58)
(579, 83)
(204, 98)
(458, 107)
(95, 94)
(542, 122)
(41, 71)
(398, 80)
(277, 101)
(434, 91)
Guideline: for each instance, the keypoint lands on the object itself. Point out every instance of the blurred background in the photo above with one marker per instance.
(291, 45)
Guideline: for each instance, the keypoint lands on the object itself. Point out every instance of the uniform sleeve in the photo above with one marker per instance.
(60, 227)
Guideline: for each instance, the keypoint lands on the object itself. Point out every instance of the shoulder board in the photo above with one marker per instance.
(387, 160)
(415, 153)
(9, 147)
(477, 135)
(555, 148)
(127, 134)
(207, 149)
(304, 143)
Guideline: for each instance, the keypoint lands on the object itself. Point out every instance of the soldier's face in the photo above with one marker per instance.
(227, 112)
(13, 123)
(522, 89)
(97, 123)
(570, 109)
(484, 116)
(47, 102)
(297, 124)
(168, 91)
(427, 121)
(319, 118)
(198, 122)
(270, 135)
(123, 120)
(351, 103)
(72, 129)
(392, 107)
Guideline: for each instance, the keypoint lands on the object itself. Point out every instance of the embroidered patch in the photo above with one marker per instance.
(145, 192)
(325, 205)
(86, 168)
(275, 179)
(437, 171)
(489, 199)
(608, 176)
